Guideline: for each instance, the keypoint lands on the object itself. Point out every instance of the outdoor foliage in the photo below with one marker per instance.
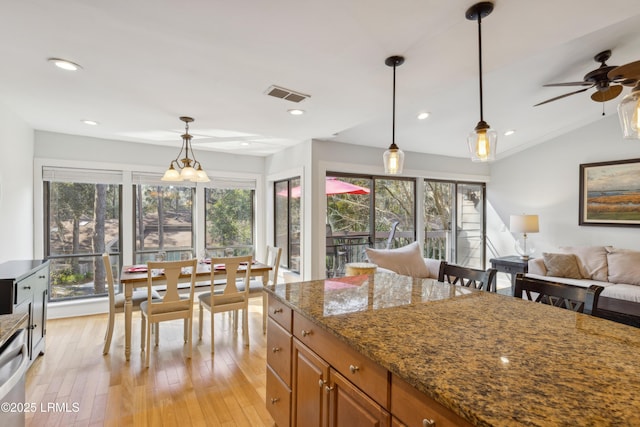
(229, 217)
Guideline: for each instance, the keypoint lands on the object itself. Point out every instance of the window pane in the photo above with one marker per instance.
(395, 201)
(164, 221)
(288, 222)
(438, 208)
(229, 221)
(83, 222)
(470, 239)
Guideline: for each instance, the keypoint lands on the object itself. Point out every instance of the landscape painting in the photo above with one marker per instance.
(610, 193)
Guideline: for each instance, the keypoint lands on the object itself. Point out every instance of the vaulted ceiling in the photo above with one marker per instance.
(145, 63)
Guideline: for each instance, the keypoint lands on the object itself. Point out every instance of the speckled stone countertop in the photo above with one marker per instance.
(492, 359)
(9, 323)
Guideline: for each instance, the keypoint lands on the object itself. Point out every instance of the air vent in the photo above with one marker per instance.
(288, 94)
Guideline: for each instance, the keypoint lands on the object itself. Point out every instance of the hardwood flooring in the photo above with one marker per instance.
(73, 384)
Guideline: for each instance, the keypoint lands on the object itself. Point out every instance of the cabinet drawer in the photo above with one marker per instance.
(278, 399)
(279, 350)
(280, 313)
(367, 375)
(413, 407)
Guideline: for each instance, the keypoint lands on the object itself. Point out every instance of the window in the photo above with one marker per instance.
(163, 222)
(454, 221)
(82, 221)
(288, 222)
(229, 221)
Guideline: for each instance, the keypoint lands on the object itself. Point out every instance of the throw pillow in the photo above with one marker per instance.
(406, 260)
(561, 265)
(592, 260)
(624, 266)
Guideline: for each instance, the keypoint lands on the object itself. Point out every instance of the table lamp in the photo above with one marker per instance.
(524, 224)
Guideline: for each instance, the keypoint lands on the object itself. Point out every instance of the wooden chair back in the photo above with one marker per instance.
(273, 261)
(171, 306)
(231, 293)
(576, 298)
(470, 277)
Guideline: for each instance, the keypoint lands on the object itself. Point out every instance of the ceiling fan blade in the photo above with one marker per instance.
(626, 71)
(607, 94)
(563, 96)
(628, 82)
(569, 84)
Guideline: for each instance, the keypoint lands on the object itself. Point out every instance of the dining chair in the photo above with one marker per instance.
(470, 277)
(116, 301)
(572, 297)
(172, 306)
(229, 298)
(256, 286)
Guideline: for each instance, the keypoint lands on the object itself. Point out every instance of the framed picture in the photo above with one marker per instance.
(610, 193)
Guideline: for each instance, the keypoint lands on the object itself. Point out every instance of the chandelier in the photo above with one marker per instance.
(189, 168)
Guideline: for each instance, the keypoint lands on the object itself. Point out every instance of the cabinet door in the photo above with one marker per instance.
(310, 382)
(350, 407)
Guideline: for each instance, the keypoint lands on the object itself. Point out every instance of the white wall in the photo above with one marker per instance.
(16, 187)
(544, 180)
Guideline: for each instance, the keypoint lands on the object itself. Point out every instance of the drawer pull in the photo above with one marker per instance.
(328, 389)
(276, 349)
(305, 333)
(354, 368)
(42, 277)
(26, 287)
(277, 310)
(275, 400)
(428, 423)
(321, 383)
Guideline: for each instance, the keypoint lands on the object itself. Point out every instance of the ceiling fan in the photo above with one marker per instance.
(608, 80)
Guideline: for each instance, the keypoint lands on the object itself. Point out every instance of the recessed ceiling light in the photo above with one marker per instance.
(64, 64)
(296, 112)
(90, 122)
(509, 132)
(423, 115)
(245, 144)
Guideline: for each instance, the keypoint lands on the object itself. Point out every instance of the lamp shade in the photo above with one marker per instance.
(629, 114)
(524, 224)
(393, 161)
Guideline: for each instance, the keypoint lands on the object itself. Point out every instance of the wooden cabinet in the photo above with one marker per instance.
(415, 409)
(24, 288)
(326, 383)
(278, 391)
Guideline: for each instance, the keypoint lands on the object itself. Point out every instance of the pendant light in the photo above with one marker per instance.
(629, 113)
(190, 168)
(482, 141)
(394, 157)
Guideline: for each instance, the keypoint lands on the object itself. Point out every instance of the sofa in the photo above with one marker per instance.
(617, 270)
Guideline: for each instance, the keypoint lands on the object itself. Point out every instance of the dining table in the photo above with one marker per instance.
(135, 276)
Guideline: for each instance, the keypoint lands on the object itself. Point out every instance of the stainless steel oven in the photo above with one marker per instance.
(14, 361)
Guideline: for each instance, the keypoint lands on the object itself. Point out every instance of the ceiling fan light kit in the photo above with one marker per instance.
(393, 158)
(190, 168)
(483, 140)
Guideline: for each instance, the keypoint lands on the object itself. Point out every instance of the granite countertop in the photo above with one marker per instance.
(492, 359)
(10, 323)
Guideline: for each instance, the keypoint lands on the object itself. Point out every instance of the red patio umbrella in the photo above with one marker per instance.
(332, 186)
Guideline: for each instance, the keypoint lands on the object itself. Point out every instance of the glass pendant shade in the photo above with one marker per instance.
(188, 173)
(171, 175)
(629, 114)
(482, 143)
(393, 160)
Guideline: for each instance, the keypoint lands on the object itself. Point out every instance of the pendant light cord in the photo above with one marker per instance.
(393, 122)
(480, 61)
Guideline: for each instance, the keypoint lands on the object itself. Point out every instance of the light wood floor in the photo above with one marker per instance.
(223, 389)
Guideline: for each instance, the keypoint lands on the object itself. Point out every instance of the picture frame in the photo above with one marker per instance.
(610, 193)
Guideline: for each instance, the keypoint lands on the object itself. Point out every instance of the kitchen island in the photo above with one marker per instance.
(473, 357)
